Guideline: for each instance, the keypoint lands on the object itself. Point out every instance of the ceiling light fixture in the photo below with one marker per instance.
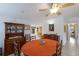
(54, 10)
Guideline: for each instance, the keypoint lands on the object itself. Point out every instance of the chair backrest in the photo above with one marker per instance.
(28, 37)
(33, 38)
(51, 36)
(59, 49)
(61, 45)
(16, 47)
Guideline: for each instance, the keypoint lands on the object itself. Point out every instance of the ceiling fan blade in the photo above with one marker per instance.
(48, 14)
(51, 6)
(43, 9)
(66, 5)
(58, 13)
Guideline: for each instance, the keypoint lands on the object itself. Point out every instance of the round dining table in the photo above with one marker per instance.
(42, 47)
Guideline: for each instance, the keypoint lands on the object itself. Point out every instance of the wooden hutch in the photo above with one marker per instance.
(13, 31)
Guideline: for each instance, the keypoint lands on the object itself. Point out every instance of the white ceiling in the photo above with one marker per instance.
(31, 10)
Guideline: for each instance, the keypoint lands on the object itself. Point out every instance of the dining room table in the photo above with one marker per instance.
(41, 47)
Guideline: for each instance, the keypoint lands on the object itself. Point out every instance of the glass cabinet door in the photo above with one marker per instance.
(8, 29)
(19, 29)
(13, 29)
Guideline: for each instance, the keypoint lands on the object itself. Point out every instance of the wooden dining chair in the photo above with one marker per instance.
(27, 37)
(51, 37)
(16, 47)
(59, 49)
(33, 38)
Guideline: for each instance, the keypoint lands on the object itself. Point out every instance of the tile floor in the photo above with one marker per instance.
(71, 48)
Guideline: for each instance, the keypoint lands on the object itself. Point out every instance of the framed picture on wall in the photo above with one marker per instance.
(27, 27)
(51, 27)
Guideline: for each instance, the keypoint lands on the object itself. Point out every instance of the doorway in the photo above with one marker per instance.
(71, 28)
(36, 31)
(71, 46)
(71, 31)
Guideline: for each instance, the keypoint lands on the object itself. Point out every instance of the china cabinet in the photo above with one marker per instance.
(13, 32)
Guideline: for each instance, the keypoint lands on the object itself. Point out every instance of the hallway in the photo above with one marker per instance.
(71, 48)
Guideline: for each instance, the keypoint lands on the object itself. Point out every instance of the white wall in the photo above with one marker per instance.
(74, 19)
(57, 21)
(1, 33)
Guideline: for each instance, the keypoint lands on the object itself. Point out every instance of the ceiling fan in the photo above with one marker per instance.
(55, 8)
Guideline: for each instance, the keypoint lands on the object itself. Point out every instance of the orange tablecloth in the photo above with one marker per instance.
(34, 48)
